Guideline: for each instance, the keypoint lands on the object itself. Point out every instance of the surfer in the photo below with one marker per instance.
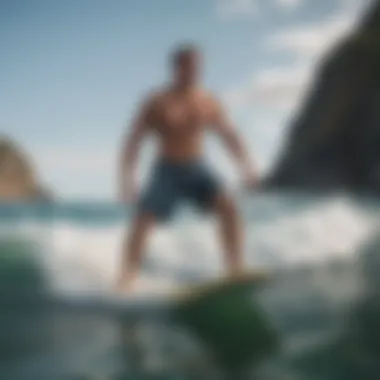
(179, 115)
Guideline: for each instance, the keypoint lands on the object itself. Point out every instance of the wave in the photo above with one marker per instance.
(324, 302)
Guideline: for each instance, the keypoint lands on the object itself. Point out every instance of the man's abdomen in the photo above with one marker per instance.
(181, 149)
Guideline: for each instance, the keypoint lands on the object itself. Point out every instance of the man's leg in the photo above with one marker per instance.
(132, 250)
(156, 204)
(231, 233)
(207, 191)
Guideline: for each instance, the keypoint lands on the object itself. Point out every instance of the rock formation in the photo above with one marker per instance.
(18, 179)
(334, 142)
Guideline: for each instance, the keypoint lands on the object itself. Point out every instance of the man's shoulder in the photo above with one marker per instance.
(210, 98)
(152, 99)
(205, 93)
(154, 95)
(206, 96)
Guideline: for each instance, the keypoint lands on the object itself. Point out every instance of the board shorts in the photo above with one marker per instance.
(172, 183)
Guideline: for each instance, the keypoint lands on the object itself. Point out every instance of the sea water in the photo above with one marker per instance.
(325, 252)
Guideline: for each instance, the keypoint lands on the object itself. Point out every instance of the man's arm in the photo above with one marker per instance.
(224, 128)
(130, 149)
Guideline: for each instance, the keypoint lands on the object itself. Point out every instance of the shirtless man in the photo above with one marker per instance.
(179, 116)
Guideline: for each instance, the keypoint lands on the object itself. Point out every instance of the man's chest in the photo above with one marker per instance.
(177, 113)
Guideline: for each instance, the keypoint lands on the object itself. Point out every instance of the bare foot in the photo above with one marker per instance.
(235, 272)
(126, 284)
(239, 274)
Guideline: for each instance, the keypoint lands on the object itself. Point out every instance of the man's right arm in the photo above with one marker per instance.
(222, 125)
(130, 150)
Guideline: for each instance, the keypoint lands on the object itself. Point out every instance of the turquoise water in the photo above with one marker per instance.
(324, 303)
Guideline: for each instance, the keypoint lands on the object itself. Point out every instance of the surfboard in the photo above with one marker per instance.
(224, 314)
(242, 282)
(158, 300)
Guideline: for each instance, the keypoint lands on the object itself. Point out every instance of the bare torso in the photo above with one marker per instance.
(179, 120)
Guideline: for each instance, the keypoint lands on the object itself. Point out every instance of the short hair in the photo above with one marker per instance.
(183, 52)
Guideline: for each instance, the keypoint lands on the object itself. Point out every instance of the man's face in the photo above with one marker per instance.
(188, 69)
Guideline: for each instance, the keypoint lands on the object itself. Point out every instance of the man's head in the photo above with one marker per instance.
(185, 61)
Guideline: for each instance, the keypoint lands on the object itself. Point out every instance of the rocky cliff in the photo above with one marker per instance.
(334, 141)
(18, 179)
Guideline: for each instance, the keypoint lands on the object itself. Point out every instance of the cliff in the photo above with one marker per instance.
(18, 179)
(334, 141)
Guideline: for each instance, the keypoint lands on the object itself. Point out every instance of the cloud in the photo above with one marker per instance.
(281, 87)
(75, 159)
(76, 171)
(277, 87)
(81, 171)
(233, 8)
(311, 41)
(249, 8)
(288, 4)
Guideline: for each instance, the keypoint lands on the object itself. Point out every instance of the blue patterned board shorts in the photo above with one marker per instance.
(172, 183)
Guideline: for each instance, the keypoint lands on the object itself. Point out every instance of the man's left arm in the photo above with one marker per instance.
(225, 129)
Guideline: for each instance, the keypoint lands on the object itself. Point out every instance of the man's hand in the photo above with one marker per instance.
(251, 179)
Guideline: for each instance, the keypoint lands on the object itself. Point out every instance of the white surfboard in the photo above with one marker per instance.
(152, 303)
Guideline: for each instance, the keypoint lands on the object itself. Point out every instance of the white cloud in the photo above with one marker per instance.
(311, 41)
(75, 159)
(81, 171)
(289, 4)
(233, 8)
(249, 8)
(77, 171)
(282, 87)
(278, 87)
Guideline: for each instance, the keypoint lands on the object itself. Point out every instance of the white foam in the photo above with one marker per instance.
(91, 256)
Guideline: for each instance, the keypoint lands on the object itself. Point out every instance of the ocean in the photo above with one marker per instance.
(324, 302)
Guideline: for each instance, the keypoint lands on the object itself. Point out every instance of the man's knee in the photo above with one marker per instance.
(225, 205)
(142, 222)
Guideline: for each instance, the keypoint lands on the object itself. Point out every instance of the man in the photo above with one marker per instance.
(179, 116)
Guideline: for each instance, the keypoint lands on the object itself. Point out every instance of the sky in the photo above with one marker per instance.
(73, 72)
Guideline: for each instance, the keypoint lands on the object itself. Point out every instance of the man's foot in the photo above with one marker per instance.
(235, 272)
(126, 284)
(240, 274)
(257, 276)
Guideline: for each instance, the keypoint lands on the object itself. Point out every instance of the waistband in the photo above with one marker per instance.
(168, 163)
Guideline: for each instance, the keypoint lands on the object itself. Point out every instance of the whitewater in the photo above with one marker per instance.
(79, 250)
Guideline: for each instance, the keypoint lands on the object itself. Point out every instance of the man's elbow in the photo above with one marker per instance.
(233, 141)
(131, 147)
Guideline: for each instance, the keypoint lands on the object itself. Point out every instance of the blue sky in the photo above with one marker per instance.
(73, 71)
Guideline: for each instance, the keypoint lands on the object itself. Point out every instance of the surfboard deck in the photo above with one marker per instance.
(244, 281)
(226, 316)
(154, 300)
